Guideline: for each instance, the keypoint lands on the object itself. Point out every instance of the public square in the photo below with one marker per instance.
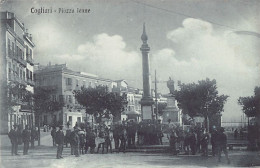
(164, 83)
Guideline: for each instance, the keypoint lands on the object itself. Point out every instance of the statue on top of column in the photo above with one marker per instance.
(170, 85)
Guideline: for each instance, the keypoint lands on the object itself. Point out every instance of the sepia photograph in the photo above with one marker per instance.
(129, 83)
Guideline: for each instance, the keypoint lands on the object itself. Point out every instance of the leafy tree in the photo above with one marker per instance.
(100, 103)
(187, 99)
(251, 104)
(200, 99)
(15, 94)
(251, 107)
(116, 104)
(40, 102)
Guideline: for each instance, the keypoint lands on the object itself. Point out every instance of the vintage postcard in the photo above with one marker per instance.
(130, 83)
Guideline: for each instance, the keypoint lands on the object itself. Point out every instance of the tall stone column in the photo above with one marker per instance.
(146, 101)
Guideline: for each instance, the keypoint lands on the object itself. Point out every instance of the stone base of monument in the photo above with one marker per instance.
(164, 148)
(147, 108)
(171, 111)
(150, 149)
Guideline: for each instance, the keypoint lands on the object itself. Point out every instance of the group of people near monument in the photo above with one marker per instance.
(150, 132)
(79, 140)
(196, 140)
(23, 137)
(84, 139)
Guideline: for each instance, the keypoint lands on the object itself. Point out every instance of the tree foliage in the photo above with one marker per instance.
(161, 106)
(200, 99)
(15, 94)
(41, 102)
(251, 104)
(101, 103)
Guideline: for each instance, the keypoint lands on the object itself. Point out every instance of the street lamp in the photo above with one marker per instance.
(207, 119)
(219, 119)
(207, 111)
(156, 100)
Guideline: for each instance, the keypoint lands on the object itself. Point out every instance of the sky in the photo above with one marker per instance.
(190, 40)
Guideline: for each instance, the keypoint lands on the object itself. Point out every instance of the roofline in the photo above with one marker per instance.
(120, 80)
(68, 71)
(29, 41)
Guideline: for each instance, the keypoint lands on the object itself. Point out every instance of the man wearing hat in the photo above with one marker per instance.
(75, 142)
(222, 144)
(116, 135)
(26, 139)
(13, 136)
(59, 141)
(213, 140)
(53, 135)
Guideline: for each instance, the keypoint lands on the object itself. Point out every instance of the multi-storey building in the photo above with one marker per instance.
(16, 69)
(134, 96)
(62, 81)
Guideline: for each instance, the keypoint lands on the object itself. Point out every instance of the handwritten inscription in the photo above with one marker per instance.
(50, 10)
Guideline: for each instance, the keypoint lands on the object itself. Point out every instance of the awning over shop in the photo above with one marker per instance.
(131, 113)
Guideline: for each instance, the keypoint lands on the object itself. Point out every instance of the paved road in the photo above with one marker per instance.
(44, 156)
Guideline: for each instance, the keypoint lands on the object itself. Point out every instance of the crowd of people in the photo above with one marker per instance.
(196, 140)
(18, 136)
(125, 135)
(84, 139)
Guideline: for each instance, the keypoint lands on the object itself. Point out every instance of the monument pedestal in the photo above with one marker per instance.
(171, 111)
(147, 108)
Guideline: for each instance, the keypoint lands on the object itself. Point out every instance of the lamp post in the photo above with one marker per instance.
(156, 99)
(206, 119)
(219, 119)
(207, 111)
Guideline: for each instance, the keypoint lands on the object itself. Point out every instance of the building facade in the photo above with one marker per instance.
(16, 71)
(133, 109)
(63, 81)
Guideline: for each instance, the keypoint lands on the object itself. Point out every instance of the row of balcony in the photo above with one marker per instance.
(19, 58)
(29, 59)
(11, 30)
(18, 101)
(15, 78)
(30, 82)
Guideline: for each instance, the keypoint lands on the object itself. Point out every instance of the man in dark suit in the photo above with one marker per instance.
(213, 141)
(222, 144)
(116, 136)
(59, 141)
(34, 136)
(53, 135)
(26, 139)
(131, 130)
(74, 142)
(193, 142)
(13, 136)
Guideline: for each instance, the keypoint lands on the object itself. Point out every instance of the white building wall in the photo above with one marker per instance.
(74, 116)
